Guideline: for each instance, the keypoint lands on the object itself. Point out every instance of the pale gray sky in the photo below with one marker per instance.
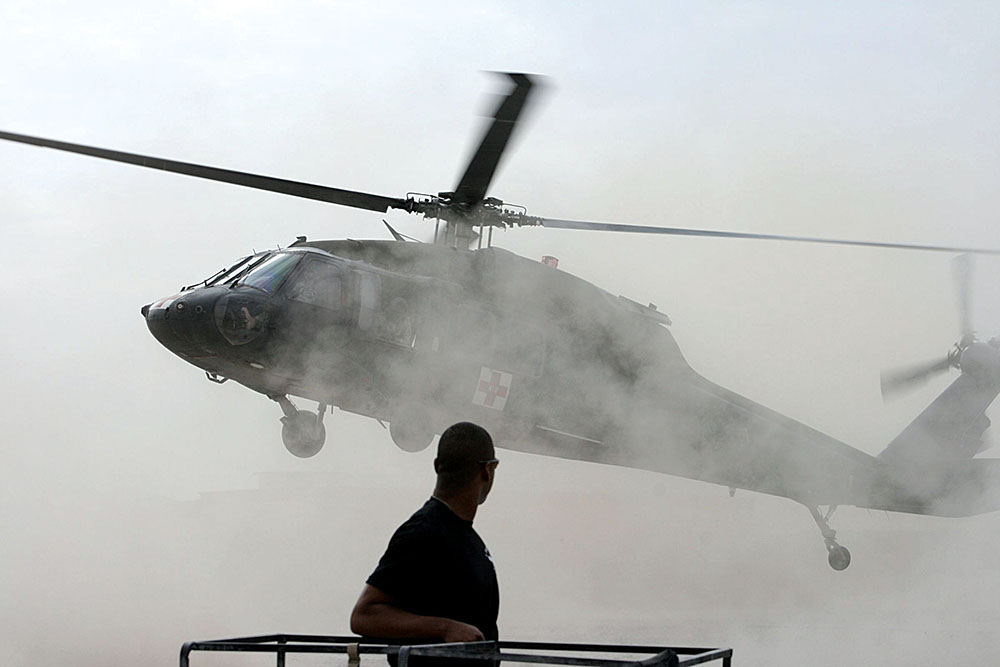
(874, 121)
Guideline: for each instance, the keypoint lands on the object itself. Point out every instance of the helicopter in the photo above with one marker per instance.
(421, 335)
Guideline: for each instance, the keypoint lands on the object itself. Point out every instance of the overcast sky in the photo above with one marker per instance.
(875, 121)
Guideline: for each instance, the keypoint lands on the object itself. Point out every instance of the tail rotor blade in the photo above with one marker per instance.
(901, 380)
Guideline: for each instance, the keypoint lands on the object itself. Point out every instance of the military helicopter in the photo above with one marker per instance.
(420, 335)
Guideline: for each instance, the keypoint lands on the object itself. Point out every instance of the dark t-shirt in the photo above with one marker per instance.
(436, 565)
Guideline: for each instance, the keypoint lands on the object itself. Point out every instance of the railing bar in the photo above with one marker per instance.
(566, 660)
(276, 648)
(479, 650)
(382, 650)
(331, 639)
(441, 652)
(289, 648)
(556, 646)
(185, 660)
(719, 654)
(616, 648)
(336, 639)
(256, 639)
(691, 650)
(437, 652)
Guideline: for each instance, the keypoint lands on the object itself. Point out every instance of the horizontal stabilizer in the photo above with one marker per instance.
(954, 488)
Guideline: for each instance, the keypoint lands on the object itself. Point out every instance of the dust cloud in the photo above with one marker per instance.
(141, 506)
(585, 553)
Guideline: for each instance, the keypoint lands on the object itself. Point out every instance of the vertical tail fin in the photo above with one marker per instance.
(949, 428)
(927, 468)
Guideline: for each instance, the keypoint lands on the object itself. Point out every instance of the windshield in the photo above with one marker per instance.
(227, 273)
(269, 275)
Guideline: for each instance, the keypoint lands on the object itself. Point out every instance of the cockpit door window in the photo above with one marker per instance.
(319, 283)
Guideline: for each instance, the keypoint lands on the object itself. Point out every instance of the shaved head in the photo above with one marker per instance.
(461, 450)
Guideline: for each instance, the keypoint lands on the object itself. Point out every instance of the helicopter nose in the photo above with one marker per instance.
(185, 322)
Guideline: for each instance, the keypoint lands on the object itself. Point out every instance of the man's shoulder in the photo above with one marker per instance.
(428, 520)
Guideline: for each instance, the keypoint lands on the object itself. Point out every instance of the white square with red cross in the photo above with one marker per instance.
(493, 389)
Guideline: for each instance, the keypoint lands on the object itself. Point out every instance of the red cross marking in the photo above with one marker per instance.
(493, 388)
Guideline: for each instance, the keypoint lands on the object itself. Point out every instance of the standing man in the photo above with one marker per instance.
(436, 579)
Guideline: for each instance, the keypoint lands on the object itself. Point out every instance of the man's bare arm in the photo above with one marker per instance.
(375, 614)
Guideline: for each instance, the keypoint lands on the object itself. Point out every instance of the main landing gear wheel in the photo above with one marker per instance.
(302, 431)
(410, 428)
(410, 437)
(838, 556)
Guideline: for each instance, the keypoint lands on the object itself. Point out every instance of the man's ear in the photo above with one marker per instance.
(436, 471)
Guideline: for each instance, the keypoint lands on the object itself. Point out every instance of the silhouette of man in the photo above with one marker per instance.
(436, 580)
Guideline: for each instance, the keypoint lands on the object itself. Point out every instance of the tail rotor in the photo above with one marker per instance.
(902, 380)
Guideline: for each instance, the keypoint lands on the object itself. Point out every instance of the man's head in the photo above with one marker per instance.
(466, 461)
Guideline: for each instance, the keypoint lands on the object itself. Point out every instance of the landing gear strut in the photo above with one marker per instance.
(302, 431)
(838, 556)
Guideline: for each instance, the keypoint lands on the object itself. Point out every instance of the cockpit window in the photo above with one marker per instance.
(269, 275)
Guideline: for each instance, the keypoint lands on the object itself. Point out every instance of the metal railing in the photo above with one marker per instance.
(546, 653)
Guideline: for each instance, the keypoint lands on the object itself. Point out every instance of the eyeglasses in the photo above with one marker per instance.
(490, 462)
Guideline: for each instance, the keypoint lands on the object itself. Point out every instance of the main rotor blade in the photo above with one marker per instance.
(475, 181)
(294, 188)
(900, 380)
(680, 231)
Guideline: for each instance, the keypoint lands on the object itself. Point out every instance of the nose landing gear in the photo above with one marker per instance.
(838, 556)
(302, 431)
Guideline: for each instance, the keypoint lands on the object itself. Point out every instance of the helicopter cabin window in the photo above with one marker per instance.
(269, 275)
(368, 300)
(394, 323)
(318, 284)
(386, 309)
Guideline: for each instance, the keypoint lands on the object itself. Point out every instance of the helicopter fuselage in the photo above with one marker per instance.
(547, 361)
